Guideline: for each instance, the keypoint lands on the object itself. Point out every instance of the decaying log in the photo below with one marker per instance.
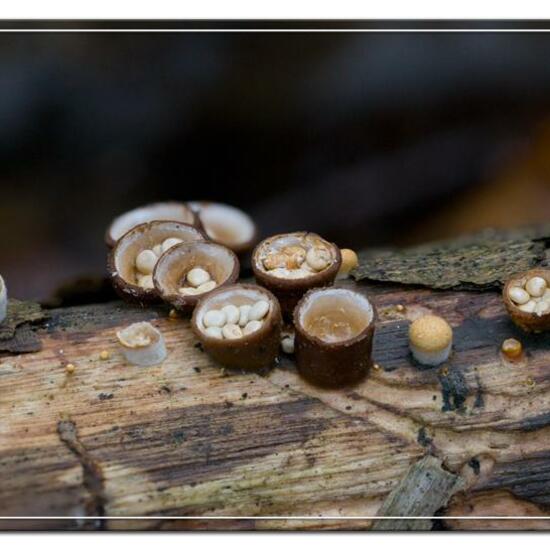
(187, 438)
(475, 262)
(425, 489)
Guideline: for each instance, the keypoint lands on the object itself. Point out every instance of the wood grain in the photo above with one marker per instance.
(187, 438)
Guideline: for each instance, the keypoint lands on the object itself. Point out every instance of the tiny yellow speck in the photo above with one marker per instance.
(376, 366)
(444, 371)
(70, 368)
(104, 355)
(173, 314)
(400, 308)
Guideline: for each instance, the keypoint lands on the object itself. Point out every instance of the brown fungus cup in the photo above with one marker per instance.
(334, 334)
(158, 211)
(132, 261)
(290, 264)
(188, 271)
(227, 225)
(239, 326)
(527, 299)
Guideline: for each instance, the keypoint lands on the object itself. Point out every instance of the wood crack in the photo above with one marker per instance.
(93, 478)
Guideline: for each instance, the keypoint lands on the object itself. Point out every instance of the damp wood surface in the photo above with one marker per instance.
(186, 438)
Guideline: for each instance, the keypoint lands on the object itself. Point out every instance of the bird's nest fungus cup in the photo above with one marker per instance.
(159, 211)
(290, 264)
(239, 326)
(132, 261)
(334, 334)
(527, 299)
(227, 225)
(187, 272)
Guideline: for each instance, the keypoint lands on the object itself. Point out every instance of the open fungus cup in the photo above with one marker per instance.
(281, 264)
(252, 351)
(527, 302)
(171, 211)
(122, 258)
(226, 225)
(334, 334)
(142, 344)
(172, 270)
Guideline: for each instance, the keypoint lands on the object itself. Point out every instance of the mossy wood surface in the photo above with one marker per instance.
(187, 438)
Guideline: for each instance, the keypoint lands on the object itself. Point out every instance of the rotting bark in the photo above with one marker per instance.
(478, 262)
(425, 489)
(16, 335)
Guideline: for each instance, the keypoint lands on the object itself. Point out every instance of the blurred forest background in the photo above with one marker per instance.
(369, 139)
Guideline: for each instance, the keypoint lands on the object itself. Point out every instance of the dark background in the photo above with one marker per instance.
(369, 139)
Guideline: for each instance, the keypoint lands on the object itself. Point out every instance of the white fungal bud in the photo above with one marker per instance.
(146, 282)
(214, 332)
(258, 311)
(232, 314)
(529, 307)
(207, 287)
(318, 258)
(252, 326)
(232, 332)
(243, 314)
(146, 261)
(536, 286)
(518, 295)
(169, 243)
(287, 344)
(157, 249)
(214, 318)
(542, 308)
(198, 276)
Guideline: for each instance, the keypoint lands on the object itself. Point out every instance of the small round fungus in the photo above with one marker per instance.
(512, 348)
(258, 310)
(536, 286)
(430, 340)
(518, 295)
(198, 276)
(232, 332)
(287, 344)
(232, 314)
(146, 261)
(214, 318)
(252, 326)
(169, 243)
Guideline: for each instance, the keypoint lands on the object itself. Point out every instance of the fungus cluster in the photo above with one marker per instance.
(233, 321)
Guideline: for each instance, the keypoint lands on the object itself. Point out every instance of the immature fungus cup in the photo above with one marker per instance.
(226, 225)
(186, 272)
(159, 211)
(430, 340)
(527, 299)
(142, 344)
(135, 255)
(239, 326)
(293, 263)
(3, 300)
(349, 263)
(334, 333)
